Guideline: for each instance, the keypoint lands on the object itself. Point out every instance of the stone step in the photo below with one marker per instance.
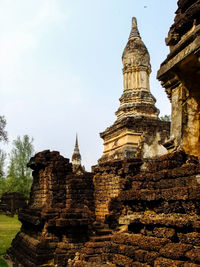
(93, 258)
(99, 225)
(103, 232)
(101, 238)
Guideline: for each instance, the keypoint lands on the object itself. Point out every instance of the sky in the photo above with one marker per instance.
(61, 68)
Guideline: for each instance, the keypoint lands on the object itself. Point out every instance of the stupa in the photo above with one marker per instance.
(76, 159)
(137, 132)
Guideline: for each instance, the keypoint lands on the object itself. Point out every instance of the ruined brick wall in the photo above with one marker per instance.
(57, 221)
(152, 220)
(12, 202)
(187, 15)
(156, 218)
(49, 172)
(109, 180)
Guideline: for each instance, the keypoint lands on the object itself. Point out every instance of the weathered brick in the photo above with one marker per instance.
(194, 255)
(146, 242)
(164, 232)
(190, 238)
(122, 260)
(163, 262)
(175, 250)
(145, 256)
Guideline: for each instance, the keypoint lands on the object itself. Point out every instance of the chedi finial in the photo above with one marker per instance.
(76, 143)
(76, 157)
(134, 30)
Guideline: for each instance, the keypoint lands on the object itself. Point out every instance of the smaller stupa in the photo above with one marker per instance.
(76, 159)
(137, 132)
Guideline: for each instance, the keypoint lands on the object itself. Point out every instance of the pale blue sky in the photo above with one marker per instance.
(61, 69)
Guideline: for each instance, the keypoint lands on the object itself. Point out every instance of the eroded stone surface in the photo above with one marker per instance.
(180, 76)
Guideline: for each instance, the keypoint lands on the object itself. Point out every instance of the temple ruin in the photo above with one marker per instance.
(123, 215)
(180, 76)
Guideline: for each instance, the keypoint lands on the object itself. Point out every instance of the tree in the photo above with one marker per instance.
(166, 118)
(2, 173)
(19, 177)
(2, 162)
(3, 137)
(3, 133)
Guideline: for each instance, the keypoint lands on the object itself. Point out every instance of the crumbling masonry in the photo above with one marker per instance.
(122, 214)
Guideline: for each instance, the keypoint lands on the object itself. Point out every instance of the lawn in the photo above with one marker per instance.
(3, 263)
(9, 227)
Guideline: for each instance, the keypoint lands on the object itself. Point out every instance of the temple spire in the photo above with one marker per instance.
(137, 114)
(76, 144)
(134, 30)
(76, 157)
(136, 100)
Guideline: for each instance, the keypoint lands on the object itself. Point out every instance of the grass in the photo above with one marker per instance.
(9, 227)
(3, 263)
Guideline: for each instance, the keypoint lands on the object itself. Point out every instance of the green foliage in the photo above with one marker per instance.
(3, 133)
(2, 173)
(9, 227)
(19, 177)
(2, 185)
(165, 118)
(20, 156)
(3, 137)
(3, 263)
(2, 162)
